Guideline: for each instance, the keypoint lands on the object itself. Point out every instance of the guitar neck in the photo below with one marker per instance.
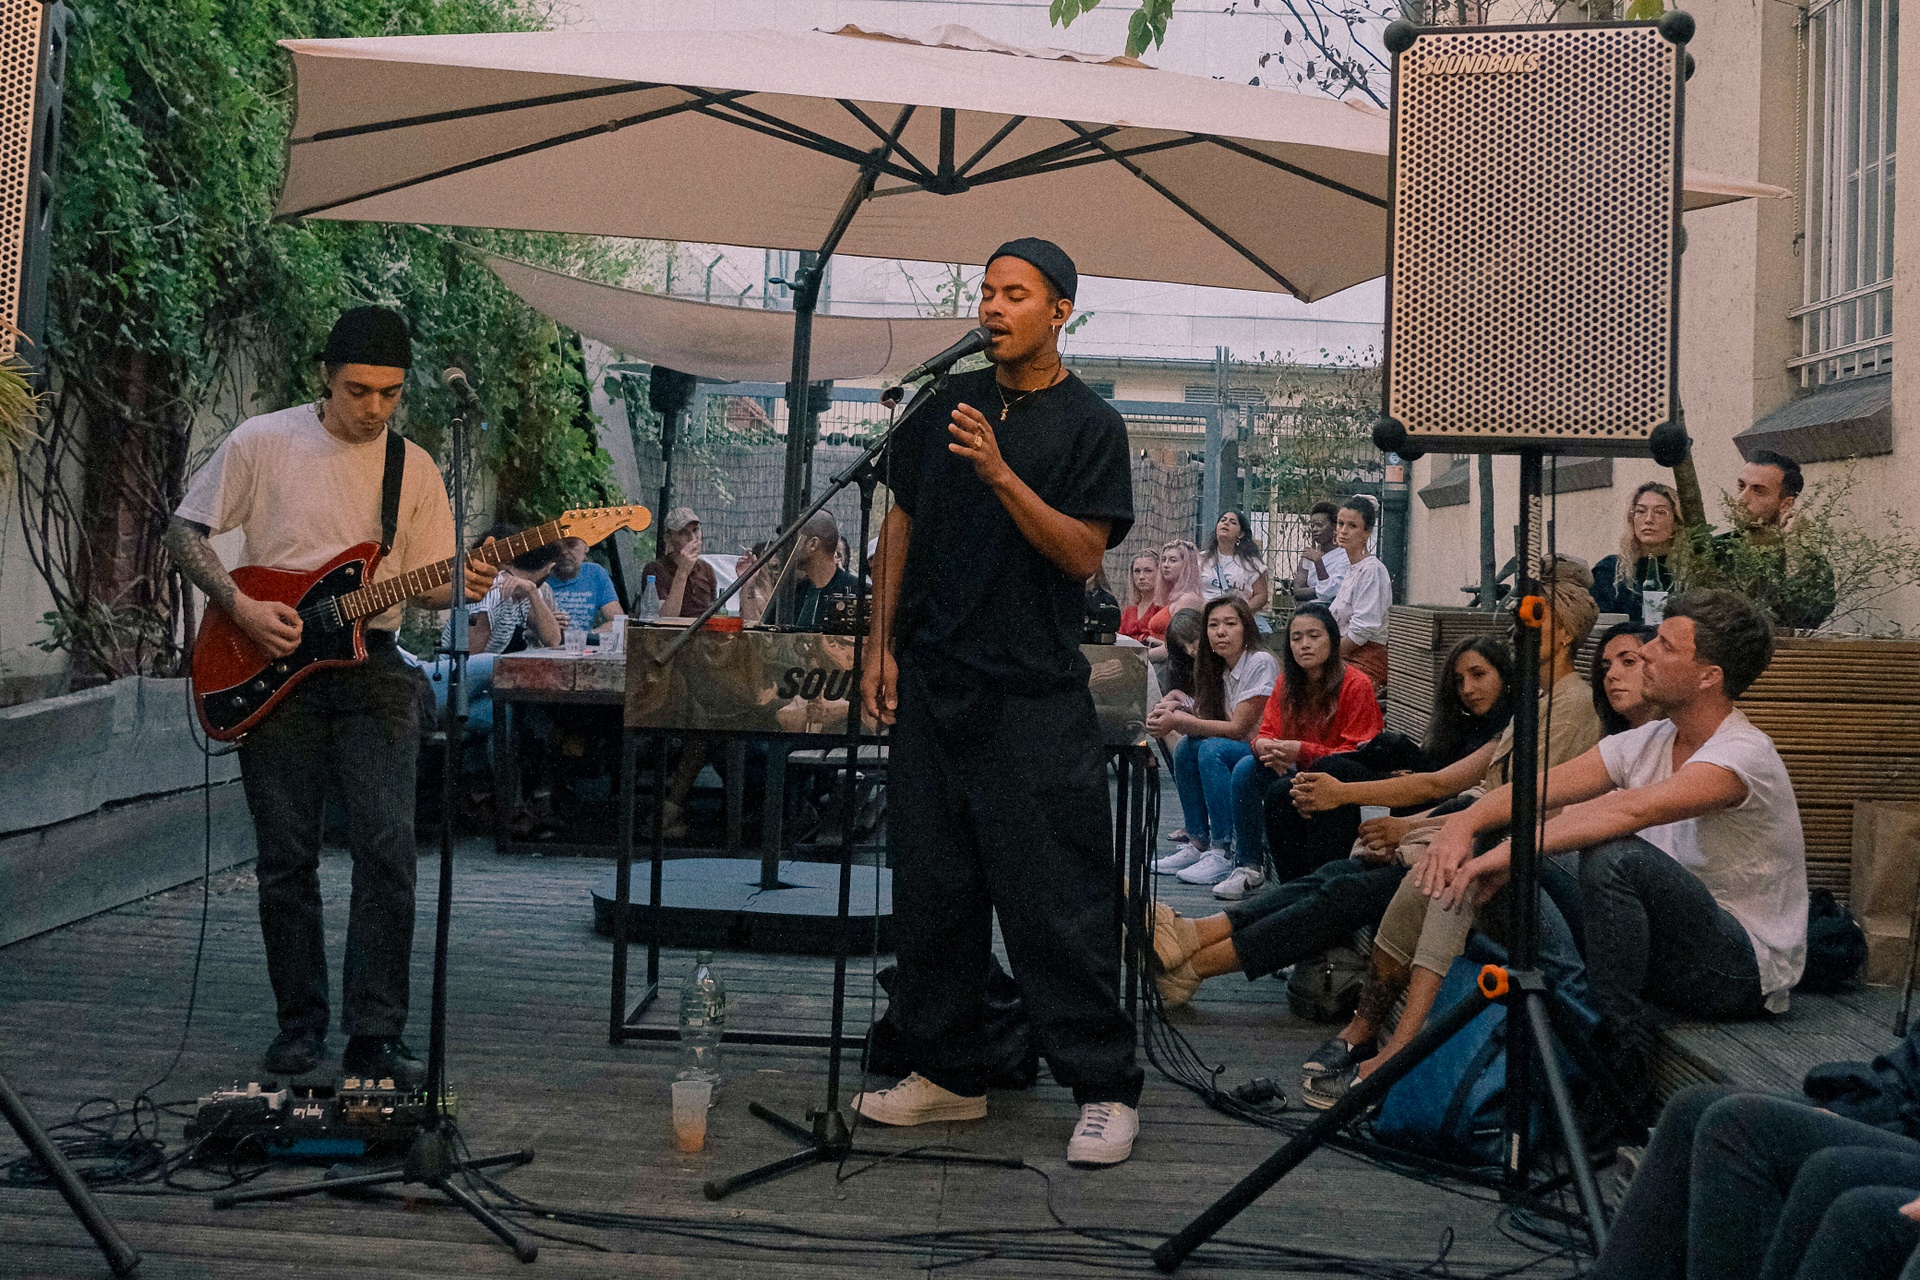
(378, 597)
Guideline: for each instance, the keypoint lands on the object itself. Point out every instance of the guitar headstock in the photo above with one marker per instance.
(596, 524)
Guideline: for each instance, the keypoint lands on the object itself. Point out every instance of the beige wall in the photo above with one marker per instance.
(1740, 277)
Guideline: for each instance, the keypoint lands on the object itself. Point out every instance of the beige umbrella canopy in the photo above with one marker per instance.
(727, 344)
(761, 138)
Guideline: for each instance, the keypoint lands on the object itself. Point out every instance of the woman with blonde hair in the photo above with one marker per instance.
(1177, 588)
(1143, 577)
(1639, 578)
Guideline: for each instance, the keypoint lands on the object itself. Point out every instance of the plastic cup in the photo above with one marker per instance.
(1368, 812)
(690, 1099)
(576, 640)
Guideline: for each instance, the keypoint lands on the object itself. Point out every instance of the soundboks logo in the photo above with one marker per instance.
(1478, 64)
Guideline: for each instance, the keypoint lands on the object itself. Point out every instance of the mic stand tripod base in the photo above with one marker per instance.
(430, 1162)
(829, 1142)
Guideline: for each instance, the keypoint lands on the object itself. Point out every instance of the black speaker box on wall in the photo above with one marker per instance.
(1533, 283)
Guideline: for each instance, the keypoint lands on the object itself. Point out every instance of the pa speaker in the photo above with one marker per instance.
(1533, 284)
(33, 55)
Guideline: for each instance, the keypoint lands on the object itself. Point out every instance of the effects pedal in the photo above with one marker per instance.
(357, 1117)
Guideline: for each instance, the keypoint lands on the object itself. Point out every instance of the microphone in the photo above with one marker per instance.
(456, 382)
(974, 341)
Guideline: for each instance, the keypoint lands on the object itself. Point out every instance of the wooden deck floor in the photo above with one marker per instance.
(95, 1009)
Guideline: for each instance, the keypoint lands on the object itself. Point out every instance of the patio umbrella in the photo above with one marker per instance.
(850, 141)
(719, 342)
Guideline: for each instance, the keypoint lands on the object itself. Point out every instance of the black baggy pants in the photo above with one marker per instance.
(1005, 808)
(354, 733)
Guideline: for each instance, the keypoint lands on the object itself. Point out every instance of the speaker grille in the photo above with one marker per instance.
(1536, 193)
(19, 76)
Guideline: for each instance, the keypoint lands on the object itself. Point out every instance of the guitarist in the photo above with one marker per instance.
(304, 484)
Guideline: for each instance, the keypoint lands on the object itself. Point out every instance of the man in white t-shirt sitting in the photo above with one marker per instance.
(1693, 870)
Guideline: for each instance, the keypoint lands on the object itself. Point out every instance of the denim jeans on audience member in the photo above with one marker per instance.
(1251, 782)
(1655, 934)
(1203, 775)
(477, 751)
(1715, 1196)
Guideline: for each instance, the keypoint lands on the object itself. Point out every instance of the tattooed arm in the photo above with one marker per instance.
(272, 626)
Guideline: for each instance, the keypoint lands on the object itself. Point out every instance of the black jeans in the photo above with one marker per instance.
(1655, 934)
(1306, 915)
(1004, 808)
(1719, 1196)
(354, 733)
(1298, 843)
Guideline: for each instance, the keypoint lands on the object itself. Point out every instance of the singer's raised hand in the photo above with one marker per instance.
(973, 439)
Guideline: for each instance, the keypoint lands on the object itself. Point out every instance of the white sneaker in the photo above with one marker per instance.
(918, 1100)
(1242, 882)
(1183, 856)
(1212, 868)
(1104, 1135)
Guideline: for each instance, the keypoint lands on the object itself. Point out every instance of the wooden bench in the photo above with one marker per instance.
(1776, 1053)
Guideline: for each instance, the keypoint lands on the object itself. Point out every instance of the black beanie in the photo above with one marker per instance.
(1046, 257)
(369, 335)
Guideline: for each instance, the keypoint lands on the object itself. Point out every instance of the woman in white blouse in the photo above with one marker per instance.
(1232, 565)
(1361, 606)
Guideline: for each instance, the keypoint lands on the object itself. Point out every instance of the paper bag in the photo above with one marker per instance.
(1886, 866)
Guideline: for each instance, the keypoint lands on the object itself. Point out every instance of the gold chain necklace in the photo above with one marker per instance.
(1008, 406)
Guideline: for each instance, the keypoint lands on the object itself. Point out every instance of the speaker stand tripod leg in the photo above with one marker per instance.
(1534, 1002)
(79, 1197)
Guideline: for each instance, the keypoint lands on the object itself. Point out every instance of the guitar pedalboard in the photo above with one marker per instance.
(359, 1116)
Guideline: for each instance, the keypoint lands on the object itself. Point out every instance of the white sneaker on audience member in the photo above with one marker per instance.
(1211, 869)
(918, 1100)
(1104, 1135)
(1183, 856)
(1242, 882)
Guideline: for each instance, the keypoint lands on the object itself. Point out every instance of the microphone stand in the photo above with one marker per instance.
(432, 1161)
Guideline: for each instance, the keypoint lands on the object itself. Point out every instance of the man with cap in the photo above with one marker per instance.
(303, 485)
(1009, 486)
(686, 584)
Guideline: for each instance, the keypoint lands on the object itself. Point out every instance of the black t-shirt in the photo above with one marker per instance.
(810, 602)
(976, 593)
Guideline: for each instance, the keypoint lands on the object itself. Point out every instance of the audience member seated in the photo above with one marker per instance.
(1177, 589)
(1184, 636)
(583, 591)
(1324, 563)
(1233, 679)
(1141, 577)
(1304, 915)
(1366, 591)
(1325, 707)
(1637, 579)
(686, 583)
(753, 598)
(817, 572)
(1738, 1185)
(1693, 875)
(1798, 591)
(1418, 939)
(1233, 565)
(1100, 595)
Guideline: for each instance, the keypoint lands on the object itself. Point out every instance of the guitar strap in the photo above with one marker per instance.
(390, 490)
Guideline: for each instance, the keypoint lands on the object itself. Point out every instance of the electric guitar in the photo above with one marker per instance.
(235, 686)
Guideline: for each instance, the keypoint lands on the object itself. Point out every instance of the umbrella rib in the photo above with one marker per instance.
(468, 113)
(1088, 139)
(1000, 136)
(1224, 236)
(498, 157)
(1250, 153)
(1024, 168)
(893, 143)
(787, 131)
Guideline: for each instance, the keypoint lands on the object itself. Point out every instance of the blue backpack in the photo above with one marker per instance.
(1453, 1106)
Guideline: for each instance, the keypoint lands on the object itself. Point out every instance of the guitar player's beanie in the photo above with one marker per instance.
(370, 335)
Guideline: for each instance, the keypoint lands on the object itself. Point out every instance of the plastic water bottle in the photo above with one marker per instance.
(648, 609)
(1653, 596)
(703, 1018)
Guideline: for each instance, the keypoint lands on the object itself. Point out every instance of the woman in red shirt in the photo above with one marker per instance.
(1144, 576)
(1323, 706)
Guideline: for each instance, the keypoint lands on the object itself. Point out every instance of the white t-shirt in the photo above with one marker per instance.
(1752, 857)
(503, 617)
(1360, 606)
(302, 496)
(1252, 677)
(1335, 563)
(1221, 576)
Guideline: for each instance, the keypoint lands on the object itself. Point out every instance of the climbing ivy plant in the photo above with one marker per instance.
(176, 298)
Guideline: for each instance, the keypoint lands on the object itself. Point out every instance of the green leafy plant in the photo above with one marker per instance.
(1316, 442)
(20, 409)
(1146, 25)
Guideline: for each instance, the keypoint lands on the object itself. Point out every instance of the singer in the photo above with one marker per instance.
(1009, 485)
(304, 484)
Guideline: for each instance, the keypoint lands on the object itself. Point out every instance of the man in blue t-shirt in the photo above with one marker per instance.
(582, 589)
